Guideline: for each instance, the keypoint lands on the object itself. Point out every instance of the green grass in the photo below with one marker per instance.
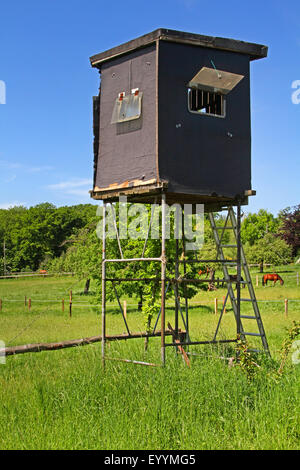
(65, 400)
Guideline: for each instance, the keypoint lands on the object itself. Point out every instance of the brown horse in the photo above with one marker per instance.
(205, 270)
(272, 277)
(233, 278)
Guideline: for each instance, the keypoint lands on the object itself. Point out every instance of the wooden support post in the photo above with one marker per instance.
(163, 277)
(286, 308)
(125, 309)
(238, 258)
(176, 287)
(29, 304)
(70, 304)
(103, 283)
(180, 348)
(0, 305)
(216, 306)
(256, 280)
(184, 272)
(224, 298)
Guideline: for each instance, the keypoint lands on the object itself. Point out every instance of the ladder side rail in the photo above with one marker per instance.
(250, 286)
(222, 257)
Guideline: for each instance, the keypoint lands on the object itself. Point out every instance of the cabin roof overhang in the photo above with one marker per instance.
(254, 51)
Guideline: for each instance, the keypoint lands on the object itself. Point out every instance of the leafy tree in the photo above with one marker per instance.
(268, 250)
(84, 258)
(289, 229)
(255, 226)
(35, 234)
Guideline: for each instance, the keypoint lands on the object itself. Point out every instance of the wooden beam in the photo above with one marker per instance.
(38, 347)
(250, 192)
(180, 348)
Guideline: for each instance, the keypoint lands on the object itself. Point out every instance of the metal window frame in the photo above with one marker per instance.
(222, 116)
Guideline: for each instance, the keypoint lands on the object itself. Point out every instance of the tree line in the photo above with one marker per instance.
(31, 237)
(65, 239)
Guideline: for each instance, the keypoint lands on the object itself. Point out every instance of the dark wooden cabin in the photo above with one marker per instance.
(173, 116)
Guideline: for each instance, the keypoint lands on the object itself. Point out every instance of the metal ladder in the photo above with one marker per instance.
(248, 282)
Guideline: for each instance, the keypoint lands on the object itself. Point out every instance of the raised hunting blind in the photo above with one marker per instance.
(173, 116)
(172, 125)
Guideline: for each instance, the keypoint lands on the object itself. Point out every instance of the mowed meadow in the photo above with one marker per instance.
(65, 399)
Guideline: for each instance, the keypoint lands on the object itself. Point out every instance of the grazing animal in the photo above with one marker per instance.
(233, 277)
(205, 270)
(272, 277)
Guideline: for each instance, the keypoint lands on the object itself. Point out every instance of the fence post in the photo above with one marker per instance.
(70, 305)
(256, 280)
(286, 308)
(216, 306)
(29, 304)
(0, 305)
(125, 309)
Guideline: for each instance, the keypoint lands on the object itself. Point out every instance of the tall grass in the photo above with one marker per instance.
(66, 400)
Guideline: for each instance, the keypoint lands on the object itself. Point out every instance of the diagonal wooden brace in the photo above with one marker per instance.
(180, 348)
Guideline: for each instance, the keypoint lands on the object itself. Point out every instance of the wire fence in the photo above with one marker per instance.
(67, 305)
(33, 274)
(31, 301)
(43, 312)
(217, 306)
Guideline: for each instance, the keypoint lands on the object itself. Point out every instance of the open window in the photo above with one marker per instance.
(205, 102)
(127, 108)
(208, 89)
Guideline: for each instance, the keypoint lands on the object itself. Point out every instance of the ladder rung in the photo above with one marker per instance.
(234, 282)
(221, 244)
(250, 334)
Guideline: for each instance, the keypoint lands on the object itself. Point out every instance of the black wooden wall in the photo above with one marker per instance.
(127, 150)
(196, 154)
(202, 154)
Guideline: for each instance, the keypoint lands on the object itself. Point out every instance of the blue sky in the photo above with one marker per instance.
(46, 142)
